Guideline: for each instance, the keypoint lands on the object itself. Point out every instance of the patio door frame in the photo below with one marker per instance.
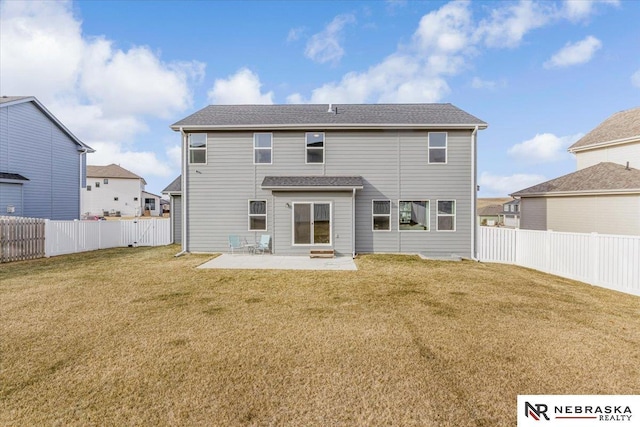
(311, 225)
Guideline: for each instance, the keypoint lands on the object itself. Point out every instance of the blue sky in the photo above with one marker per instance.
(118, 73)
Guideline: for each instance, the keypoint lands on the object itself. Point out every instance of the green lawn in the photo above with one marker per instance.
(137, 336)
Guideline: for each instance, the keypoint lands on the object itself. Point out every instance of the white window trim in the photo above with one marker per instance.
(249, 214)
(324, 145)
(454, 215)
(262, 148)
(293, 234)
(373, 215)
(205, 149)
(446, 149)
(428, 216)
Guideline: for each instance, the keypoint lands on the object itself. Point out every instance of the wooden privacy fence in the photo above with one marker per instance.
(610, 261)
(21, 238)
(30, 238)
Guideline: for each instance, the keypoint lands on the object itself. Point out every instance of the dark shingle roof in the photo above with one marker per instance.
(13, 176)
(174, 187)
(312, 181)
(111, 171)
(358, 115)
(604, 177)
(622, 125)
(491, 210)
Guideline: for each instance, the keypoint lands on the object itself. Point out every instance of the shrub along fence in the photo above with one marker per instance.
(610, 261)
(30, 238)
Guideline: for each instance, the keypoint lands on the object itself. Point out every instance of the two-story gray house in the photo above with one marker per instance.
(398, 178)
(42, 164)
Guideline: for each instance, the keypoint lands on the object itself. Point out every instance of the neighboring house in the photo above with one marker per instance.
(174, 191)
(510, 215)
(344, 178)
(42, 164)
(166, 207)
(603, 195)
(489, 215)
(114, 191)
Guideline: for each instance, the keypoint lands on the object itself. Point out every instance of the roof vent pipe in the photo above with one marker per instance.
(330, 110)
(628, 166)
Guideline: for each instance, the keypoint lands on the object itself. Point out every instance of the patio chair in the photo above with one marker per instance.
(236, 243)
(263, 245)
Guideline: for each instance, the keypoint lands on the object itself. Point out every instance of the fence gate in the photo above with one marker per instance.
(21, 238)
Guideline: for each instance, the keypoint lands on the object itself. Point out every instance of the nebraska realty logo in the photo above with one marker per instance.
(578, 410)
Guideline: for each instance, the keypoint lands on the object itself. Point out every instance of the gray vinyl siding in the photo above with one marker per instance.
(533, 213)
(176, 218)
(10, 195)
(393, 164)
(35, 147)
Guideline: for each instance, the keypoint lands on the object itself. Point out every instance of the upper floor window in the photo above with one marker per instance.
(197, 148)
(413, 215)
(257, 215)
(446, 215)
(315, 147)
(262, 148)
(381, 212)
(437, 147)
(97, 184)
(105, 181)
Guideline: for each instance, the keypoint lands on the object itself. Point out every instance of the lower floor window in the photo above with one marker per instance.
(381, 212)
(446, 215)
(257, 215)
(150, 204)
(413, 215)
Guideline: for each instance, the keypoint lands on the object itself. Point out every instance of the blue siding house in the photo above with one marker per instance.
(42, 164)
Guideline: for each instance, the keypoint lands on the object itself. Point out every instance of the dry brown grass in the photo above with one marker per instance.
(488, 201)
(136, 336)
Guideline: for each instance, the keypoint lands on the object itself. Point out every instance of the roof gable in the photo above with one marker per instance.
(604, 177)
(174, 187)
(6, 101)
(619, 127)
(329, 115)
(111, 171)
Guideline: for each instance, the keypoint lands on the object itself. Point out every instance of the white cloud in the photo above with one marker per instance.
(501, 186)
(441, 46)
(103, 94)
(478, 83)
(445, 30)
(325, 46)
(635, 79)
(507, 25)
(243, 87)
(579, 10)
(574, 53)
(543, 148)
(174, 154)
(295, 34)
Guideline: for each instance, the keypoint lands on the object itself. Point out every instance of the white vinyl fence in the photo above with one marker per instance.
(610, 261)
(66, 237)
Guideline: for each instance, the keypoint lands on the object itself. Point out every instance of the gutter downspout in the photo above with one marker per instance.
(353, 223)
(183, 196)
(80, 152)
(474, 194)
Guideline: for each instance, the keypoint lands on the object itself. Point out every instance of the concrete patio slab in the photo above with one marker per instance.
(275, 262)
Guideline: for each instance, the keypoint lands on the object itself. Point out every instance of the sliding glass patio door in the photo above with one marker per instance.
(312, 223)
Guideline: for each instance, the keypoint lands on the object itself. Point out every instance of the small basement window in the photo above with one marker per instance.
(97, 184)
(105, 181)
(88, 188)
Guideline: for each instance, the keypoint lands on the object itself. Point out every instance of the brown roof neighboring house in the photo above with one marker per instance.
(491, 210)
(111, 171)
(604, 177)
(624, 125)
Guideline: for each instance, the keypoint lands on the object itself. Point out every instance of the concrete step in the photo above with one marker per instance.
(322, 253)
